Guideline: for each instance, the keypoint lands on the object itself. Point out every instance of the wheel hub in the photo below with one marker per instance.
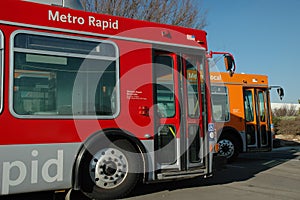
(109, 168)
(226, 148)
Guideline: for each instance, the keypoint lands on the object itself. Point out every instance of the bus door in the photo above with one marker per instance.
(257, 119)
(263, 116)
(192, 95)
(179, 137)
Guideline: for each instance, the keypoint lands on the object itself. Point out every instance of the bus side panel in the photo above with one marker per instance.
(39, 167)
(136, 89)
(236, 107)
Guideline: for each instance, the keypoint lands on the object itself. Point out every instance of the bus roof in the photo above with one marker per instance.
(239, 79)
(35, 15)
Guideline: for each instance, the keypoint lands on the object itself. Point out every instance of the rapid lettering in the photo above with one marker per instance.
(21, 171)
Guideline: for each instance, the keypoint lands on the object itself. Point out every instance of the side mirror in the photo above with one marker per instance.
(229, 62)
(280, 92)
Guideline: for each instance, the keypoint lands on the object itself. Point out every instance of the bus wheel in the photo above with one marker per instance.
(228, 147)
(111, 172)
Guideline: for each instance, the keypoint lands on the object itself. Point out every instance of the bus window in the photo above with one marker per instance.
(164, 86)
(1, 70)
(248, 98)
(63, 77)
(220, 103)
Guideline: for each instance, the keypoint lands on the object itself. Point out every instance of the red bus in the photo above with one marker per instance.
(98, 103)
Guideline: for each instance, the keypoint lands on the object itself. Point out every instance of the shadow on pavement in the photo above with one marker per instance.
(282, 143)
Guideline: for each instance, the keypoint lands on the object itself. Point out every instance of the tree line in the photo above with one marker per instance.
(187, 13)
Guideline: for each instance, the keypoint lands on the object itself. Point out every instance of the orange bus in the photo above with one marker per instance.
(241, 109)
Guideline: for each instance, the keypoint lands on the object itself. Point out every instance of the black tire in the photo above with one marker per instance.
(229, 147)
(110, 171)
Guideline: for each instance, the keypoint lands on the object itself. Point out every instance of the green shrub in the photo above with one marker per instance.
(287, 125)
(286, 120)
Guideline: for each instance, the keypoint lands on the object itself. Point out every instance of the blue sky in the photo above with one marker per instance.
(264, 37)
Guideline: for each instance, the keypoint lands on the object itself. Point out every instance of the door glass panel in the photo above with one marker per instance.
(192, 87)
(264, 136)
(250, 130)
(248, 100)
(166, 138)
(262, 112)
(194, 146)
(165, 100)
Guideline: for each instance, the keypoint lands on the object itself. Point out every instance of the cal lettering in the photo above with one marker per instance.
(215, 78)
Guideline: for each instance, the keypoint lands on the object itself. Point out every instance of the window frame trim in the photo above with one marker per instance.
(1, 71)
(52, 53)
(62, 36)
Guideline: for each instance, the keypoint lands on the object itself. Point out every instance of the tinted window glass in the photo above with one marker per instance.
(58, 76)
(220, 103)
(248, 100)
(164, 86)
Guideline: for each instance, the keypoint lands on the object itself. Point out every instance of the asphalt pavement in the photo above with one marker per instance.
(261, 176)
